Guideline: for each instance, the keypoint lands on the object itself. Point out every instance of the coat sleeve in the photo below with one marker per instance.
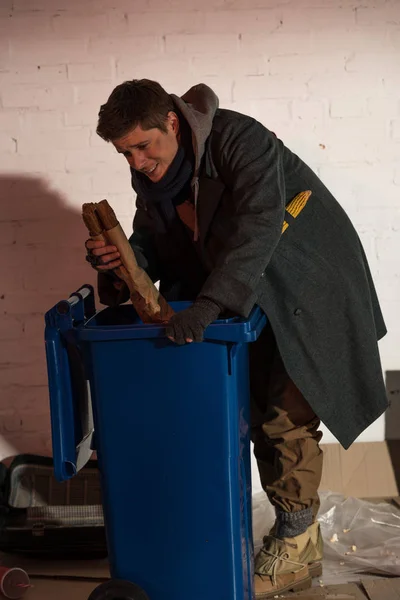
(142, 244)
(249, 161)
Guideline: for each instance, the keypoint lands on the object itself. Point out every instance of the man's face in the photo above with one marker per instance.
(151, 151)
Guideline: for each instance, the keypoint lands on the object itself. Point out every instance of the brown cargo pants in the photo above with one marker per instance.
(284, 430)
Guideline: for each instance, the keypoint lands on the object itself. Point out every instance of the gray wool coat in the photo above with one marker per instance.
(312, 281)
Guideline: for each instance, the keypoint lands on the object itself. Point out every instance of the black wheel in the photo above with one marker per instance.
(116, 589)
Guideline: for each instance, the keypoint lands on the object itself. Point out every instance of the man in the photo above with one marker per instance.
(214, 224)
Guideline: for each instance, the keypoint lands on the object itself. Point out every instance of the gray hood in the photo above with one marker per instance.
(198, 106)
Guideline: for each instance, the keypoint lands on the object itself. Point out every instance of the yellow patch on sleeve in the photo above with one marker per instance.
(296, 205)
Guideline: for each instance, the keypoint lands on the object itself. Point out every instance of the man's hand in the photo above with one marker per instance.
(102, 257)
(188, 325)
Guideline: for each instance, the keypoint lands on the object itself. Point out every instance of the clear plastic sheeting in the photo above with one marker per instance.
(360, 537)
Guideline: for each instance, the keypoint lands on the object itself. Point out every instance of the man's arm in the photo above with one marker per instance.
(250, 164)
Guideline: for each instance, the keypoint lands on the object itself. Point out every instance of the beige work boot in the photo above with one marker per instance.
(314, 550)
(282, 566)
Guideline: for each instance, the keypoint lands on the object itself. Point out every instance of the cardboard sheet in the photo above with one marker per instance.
(366, 470)
(49, 589)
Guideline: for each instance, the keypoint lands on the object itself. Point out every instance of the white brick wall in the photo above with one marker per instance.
(323, 76)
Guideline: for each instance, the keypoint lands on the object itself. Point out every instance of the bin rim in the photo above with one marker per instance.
(235, 329)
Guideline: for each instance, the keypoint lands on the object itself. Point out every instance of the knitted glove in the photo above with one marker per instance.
(190, 324)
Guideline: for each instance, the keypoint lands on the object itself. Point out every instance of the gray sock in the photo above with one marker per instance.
(290, 524)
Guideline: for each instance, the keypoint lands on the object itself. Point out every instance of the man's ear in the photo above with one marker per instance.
(173, 122)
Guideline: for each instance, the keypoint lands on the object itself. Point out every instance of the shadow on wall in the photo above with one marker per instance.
(42, 261)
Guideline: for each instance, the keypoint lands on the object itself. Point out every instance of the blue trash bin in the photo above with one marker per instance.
(171, 430)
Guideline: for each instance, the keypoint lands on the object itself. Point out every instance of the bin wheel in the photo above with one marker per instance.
(117, 589)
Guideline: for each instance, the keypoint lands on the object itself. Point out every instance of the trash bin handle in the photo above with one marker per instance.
(81, 301)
